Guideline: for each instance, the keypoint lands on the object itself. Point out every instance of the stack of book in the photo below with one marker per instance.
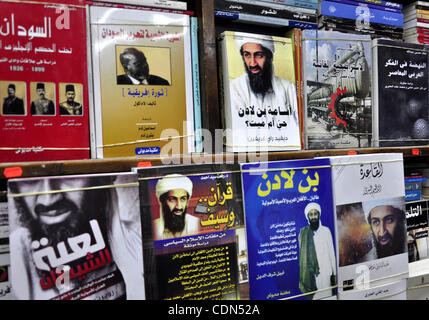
(383, 19)
(285, 13)
(416, 22)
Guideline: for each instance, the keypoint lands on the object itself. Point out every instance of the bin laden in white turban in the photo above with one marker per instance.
(317, 255)
(388, 227)
(258, 86)
(173, 193)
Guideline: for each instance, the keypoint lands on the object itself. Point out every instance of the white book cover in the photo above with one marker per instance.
(142, 73)
(259, 96)
(75, 238)
(369, 197)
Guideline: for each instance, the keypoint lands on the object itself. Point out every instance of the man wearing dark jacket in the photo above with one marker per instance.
(137, 69)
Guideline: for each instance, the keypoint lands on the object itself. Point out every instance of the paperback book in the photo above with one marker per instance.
(260, 109)
(143, 95)
(194, 242)
(337, 89)
(76, 237)
(290, 229)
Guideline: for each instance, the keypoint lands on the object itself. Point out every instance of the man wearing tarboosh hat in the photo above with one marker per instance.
(173, 193)
(259, 86)
(70, 107)
(12, 104)
(42, 105)
(386, 218)
(317, 267)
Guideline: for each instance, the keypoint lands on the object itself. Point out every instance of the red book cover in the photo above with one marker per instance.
(43, 81)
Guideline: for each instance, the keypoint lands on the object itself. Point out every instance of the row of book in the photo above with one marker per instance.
(379, 18)
(105, 81)
(416, 22)
(322, 228)
(346, 91)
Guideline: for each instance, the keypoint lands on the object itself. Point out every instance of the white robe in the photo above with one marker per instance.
(274, 135)
(326, 259)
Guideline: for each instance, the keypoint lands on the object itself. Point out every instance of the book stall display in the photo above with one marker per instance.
(214, 150)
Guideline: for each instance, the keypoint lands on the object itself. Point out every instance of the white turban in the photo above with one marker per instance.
(367, 206)
(265, 41)
(312, 206)
(173, 182)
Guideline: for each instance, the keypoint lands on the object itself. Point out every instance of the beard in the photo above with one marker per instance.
(260, 82)
(314, 224)
(173, 222)
(396, 245)
(94, 206)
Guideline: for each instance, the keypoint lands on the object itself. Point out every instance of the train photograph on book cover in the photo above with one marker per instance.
(339, 98)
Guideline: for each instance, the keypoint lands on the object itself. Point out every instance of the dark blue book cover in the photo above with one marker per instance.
(289, 255)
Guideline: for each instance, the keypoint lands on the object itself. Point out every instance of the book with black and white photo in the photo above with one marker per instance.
(400, 93)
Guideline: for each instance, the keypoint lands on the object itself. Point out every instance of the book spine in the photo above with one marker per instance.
(312, 4)
(373, 6)
(268, 21)
(276, 6)
(264, 11)
(361, 14)
(180, 5)
(383, 3)
(342, 23)
(196, 85)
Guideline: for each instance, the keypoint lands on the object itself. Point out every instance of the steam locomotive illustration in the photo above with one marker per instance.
(341, 99)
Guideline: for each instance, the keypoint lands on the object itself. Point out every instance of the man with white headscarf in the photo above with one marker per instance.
(173, 193)
(388, 227)
(259, 87)
(316, 255)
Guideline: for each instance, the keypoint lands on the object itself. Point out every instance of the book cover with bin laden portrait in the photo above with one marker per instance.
(371, 226)
(143, 96)
(76, 237)
(44, 81)
(194, 242)
(257, 81)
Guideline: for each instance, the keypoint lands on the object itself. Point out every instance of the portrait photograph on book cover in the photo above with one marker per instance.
(76, 237)
(259, 92)
(71, 99)
(371, 230)
(337, 84)
(143, 65)
(13, 95)
(42, 95)
(193, 232)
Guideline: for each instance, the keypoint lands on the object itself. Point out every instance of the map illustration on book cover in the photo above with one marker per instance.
(260, 107)
(290, 229)
(371, 226)
(76, 237)
(44, 113)
(142, 68)
(401, 93)
(337, 89)
(194, 244)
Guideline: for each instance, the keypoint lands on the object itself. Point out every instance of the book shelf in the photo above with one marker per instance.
(208, 28)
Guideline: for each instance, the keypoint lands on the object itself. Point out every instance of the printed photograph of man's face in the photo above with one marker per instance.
(142, 65)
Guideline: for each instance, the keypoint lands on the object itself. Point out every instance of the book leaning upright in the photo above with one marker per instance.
(369, 197)
(142, 68)
(259, 99)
